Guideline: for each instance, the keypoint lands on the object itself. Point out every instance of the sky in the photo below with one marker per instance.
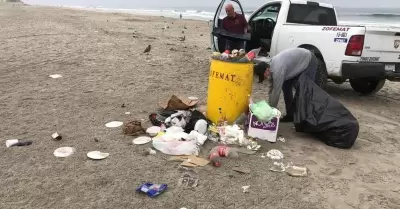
(207, 3)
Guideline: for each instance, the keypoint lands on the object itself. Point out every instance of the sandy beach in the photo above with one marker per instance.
(99, 56)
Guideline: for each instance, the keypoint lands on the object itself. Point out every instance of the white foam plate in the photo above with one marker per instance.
(55, 76)
(114, 124)
(97, 155)
(153, 131)
(64, 151)
(141, 140)
(193, 98)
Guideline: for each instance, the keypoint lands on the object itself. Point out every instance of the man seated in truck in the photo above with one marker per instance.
(283, 71)
(234, 23)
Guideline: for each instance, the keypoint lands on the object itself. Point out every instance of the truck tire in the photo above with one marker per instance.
(367, 85)
(321, 76)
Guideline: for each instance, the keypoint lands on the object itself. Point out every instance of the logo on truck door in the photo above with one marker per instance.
(396, 44)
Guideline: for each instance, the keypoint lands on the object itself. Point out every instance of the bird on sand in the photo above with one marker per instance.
(182, 38)
(148, 49)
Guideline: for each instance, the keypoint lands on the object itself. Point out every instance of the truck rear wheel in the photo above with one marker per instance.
(367, 85)
(321, 75)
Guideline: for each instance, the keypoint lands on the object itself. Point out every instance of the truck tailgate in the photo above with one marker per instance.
(381, 44)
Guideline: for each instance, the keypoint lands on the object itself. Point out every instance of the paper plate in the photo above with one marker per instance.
(97, 155)
(141, 140)
(64, 151)
(153, 131)
(114, 124)
(193, 98)
(55, 76)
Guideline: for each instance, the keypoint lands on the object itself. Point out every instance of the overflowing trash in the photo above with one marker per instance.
(152, 190)
(235, 55)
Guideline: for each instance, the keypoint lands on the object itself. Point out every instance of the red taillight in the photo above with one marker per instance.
(355, 45)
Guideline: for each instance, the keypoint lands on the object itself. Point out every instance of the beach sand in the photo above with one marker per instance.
(99, 56)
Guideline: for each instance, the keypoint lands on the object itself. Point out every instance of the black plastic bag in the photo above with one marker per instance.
(318, 113)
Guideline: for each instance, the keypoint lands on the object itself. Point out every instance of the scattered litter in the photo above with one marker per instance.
(149, 151)
(127, 113)
(188, 180)
(55, 76)
(64, 152)
(153, 131)
(279, 167)
(168, 144)
(243, 170)
(201, 126)
(195, 136)
(152, 190)
(222, 151)
(193, 161)
(275, 154)
(97, 155)
(114, 124)
(253, 146)
(296, 171)
(232, 135)
(17, 143)
(189, 161)
(133, 128)
(193, 98)
(141, 140)
(281, 139)
(56, 136)
(178, 103)
(246, 189)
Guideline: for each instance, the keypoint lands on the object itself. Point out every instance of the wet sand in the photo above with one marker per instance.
(100, 58)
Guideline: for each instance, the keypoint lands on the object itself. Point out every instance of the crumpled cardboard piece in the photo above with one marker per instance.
(190, 161)
(178, 103)
(133, 128)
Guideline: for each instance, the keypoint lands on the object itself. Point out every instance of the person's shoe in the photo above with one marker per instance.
(286, 119)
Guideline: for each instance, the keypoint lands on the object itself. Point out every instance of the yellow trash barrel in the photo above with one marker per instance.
(229, 85)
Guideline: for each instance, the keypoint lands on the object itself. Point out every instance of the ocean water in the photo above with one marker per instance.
(363, 16)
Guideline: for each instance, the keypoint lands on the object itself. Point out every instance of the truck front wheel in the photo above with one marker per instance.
(321, 75)
(367, 85)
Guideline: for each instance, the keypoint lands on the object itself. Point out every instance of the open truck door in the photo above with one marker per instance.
(218, 34)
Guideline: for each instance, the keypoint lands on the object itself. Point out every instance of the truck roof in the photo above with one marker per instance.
(305, 2)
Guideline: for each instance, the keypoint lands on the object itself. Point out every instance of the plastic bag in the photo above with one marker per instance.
(175, 147)
(263, 111)
(319, 113)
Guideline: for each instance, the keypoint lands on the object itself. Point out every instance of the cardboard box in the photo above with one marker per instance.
(262, 130)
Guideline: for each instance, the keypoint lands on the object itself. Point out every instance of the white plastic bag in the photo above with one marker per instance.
(175, 147)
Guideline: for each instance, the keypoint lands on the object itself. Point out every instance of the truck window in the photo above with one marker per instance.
(311, 15)
(271, 11)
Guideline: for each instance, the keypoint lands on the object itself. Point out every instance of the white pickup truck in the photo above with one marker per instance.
(364, 55)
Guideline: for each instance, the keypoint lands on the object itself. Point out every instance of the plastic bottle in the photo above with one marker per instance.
(222, 151)
(225, 55)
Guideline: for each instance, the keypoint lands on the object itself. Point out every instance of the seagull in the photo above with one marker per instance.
(147, 50)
